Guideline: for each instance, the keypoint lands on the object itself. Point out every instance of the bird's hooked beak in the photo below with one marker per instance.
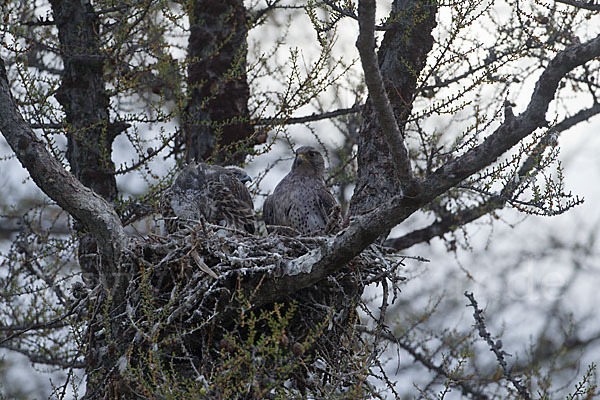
(245, 178)
(301, 158)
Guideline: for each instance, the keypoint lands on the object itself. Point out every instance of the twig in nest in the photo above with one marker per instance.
(202, 265)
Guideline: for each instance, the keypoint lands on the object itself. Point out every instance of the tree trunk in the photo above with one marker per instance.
(90, 135)
(216, 118)
(402, 57)
(83, 97)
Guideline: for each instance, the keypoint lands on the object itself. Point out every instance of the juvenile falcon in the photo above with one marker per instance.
(212, 192)
(301, 200)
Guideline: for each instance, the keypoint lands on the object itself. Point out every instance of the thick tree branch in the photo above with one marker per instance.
(216, 119)
(84, 98)
(377, 92)
(93, 211)
(401, 58)
(515, 129)
(580, 116)
(452, 221)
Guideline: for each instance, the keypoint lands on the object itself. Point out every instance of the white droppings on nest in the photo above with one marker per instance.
(122, 364)
(301, 265)
(222, 233)
(242, 261)
(252, 270)
(241, 251)
(232, 254)
(176, 288)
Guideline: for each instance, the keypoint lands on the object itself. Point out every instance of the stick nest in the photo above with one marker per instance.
(182, 297)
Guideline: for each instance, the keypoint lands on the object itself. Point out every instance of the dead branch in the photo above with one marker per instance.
(495, 347)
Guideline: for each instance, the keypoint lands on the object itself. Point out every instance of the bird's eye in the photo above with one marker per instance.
(312, 153)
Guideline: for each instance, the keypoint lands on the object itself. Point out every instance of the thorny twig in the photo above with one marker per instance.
(496, 346)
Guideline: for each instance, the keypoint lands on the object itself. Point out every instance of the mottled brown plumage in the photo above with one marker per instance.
(301, 200)
(211, 192)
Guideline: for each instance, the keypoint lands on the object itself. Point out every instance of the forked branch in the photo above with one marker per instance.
(377, 94)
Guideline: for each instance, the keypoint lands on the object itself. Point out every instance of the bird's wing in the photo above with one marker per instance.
(237, 188)
(180, 201)
(320, 205)
(166, 209)
(316, 220)
(326, 201)
(228, 200)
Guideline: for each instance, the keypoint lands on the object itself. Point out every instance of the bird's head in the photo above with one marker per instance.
(309, 161)
(239, 173)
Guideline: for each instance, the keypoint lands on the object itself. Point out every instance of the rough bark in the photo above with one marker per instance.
(401, 57)
(382, 107)
(216, 120)
(589, 5)
(105, 232)
(83, 96)
(90, 134)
